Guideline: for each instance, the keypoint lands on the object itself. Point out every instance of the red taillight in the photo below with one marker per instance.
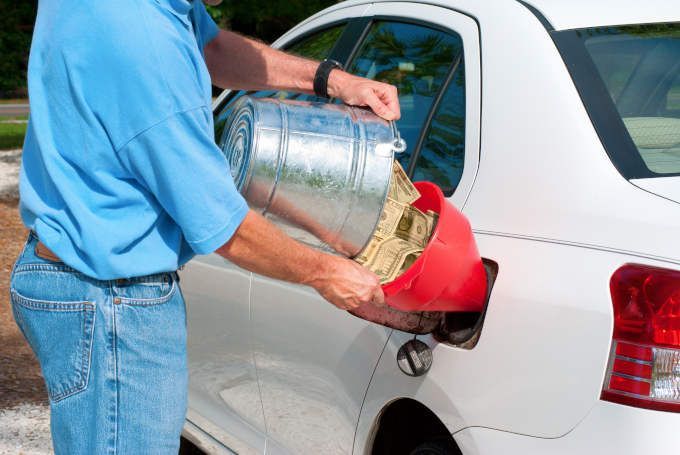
(644, 363)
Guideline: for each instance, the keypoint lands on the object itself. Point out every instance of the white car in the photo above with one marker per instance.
(555, 127)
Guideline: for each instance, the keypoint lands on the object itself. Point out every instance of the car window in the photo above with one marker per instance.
(616, 66)
(315, 46)
(441, 157)
(639, 67)
(416, 59)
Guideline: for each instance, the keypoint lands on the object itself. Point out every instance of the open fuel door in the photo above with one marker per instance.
(454, 327)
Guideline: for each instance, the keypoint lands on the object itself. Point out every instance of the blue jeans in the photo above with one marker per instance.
(112, 353)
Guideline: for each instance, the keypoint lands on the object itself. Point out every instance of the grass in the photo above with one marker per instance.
(12, 134)
(14, 101)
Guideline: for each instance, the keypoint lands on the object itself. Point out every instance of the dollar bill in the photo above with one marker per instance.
(402, 233)
(401, 189)
(432, 218)
(414, 226)
(404, 263)
(389, 257)
(408, 262)
(389, 218)
(369, 251)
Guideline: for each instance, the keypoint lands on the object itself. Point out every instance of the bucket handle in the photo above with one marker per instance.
(399, 145)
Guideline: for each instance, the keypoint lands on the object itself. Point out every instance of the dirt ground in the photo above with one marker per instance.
(20, 379)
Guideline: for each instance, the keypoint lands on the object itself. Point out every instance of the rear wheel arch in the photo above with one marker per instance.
(405, 425)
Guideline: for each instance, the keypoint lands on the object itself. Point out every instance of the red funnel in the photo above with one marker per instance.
(449, 274)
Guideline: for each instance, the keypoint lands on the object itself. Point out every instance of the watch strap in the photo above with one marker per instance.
(321, 77)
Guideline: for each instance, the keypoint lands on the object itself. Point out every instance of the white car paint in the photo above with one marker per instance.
(223, 382)
(565, 15)
(607, 428)
(668, 187)
(277, 370)
(562, 14)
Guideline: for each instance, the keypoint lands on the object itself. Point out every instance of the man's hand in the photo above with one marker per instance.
(347, 285)
(358, 91)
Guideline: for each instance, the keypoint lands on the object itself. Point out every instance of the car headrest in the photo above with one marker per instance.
(653, 132)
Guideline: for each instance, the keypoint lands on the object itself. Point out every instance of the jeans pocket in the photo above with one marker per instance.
(61, 336)
(148, 290)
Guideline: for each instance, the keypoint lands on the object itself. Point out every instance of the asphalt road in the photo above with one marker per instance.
(13, 109)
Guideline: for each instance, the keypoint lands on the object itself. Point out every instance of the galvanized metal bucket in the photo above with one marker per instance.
(319, 171)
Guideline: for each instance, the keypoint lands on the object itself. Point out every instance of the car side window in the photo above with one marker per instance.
(319, 45)
(316, 46)
(442, 155)
(416, 59)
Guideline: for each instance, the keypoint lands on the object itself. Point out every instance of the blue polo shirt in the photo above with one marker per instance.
(120, 175)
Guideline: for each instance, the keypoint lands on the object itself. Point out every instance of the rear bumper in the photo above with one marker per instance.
(607, 429)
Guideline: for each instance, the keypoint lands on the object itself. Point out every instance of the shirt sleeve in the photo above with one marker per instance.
(178, 162)
(206, 28)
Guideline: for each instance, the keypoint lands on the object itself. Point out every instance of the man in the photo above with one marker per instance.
(121, 184)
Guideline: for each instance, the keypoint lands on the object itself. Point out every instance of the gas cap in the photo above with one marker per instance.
(414, 358)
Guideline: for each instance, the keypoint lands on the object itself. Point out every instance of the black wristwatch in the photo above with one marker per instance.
(321, 77)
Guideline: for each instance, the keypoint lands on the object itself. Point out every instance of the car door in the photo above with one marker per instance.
(224, 399)
(314, 362)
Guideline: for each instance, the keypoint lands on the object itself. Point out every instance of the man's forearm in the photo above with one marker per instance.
(237, 62)
(261, 247)
(240, 63)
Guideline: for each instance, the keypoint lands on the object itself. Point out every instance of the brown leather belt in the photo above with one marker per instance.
(43, 252)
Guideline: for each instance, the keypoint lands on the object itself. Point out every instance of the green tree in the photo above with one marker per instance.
(265, 19)
(16, 27)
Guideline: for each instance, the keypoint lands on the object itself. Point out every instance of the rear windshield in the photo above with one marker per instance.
(640, 67)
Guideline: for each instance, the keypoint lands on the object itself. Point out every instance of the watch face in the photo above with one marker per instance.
(334, 62)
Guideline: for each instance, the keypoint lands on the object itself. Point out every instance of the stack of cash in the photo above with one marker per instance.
(402, 233)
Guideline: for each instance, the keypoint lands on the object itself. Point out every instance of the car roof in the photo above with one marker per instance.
(565, 14)
(569, 14)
